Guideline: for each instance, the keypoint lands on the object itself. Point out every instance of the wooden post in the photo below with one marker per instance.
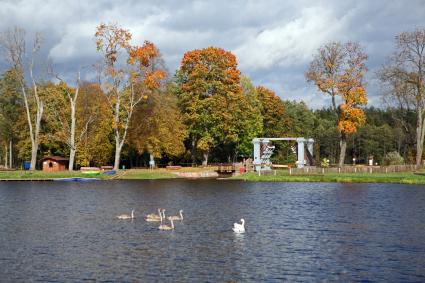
(290, 171)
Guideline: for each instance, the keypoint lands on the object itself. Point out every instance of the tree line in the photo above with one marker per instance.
(208, 111)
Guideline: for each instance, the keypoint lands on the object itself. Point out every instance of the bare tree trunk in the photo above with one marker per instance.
(205, 162)
(35, 134)
(118, 147)
(72, 145)
(119, 140)
(343, 148)
(420, 133)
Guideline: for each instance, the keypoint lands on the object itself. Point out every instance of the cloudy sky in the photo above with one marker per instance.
(273, 40)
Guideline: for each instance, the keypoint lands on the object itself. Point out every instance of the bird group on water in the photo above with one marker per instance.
(153, 217)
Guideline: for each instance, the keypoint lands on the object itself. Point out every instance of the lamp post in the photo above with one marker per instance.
(354, 161)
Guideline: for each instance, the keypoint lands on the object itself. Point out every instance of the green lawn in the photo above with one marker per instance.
(283, 176)
(41, 175)
(146, 174)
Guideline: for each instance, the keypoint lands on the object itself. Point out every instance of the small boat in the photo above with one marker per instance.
(76, 179)
(92, 172)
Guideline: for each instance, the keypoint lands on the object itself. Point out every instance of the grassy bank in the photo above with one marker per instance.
(41, 175)
(283, 176)
(146, 174)
(136, 174)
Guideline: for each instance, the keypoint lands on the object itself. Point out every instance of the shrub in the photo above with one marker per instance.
(393, 158)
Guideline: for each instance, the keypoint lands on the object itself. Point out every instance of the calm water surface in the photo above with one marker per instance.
(67, 232)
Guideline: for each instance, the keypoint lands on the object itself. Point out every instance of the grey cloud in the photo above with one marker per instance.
(273, 40)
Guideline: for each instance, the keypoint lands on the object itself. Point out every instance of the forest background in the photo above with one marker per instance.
(207, 111)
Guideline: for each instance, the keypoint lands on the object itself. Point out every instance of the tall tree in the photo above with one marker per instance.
(338, 70)
(95, 147)
(404, 78)
(62, 103)
(13, 44)
(272, 110)
(10, 110)
(126, 85)
(210, 96)
(251, 119)
(162, 131)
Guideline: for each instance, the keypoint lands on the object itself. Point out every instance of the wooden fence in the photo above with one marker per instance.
(354, 169)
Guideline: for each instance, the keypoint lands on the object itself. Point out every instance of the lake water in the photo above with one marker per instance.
(68, 232)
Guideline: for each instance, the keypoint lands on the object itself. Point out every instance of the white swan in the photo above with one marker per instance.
(127, 216)
(176, 217)
(239, 228)
(154, 217)
(166, 227)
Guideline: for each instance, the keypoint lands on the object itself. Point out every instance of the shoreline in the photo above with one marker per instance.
(411, 178)
(414, 178)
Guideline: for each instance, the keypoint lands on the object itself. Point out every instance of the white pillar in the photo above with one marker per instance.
(257, 153)
(310, 146)
(300, 161)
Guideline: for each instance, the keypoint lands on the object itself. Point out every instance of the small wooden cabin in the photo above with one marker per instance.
(55, 163)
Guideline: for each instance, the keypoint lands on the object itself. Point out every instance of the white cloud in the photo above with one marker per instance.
(291, 43)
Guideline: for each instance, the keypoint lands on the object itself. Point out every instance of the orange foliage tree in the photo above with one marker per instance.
(130, 75)
(338, 70)
(211, 98)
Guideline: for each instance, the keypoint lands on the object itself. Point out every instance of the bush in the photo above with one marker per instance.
(393, 158)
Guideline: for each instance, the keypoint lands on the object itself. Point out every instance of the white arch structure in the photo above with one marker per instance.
(263, 151)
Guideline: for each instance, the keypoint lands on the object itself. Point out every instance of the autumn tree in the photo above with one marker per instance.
(14, 46)
(129, 77)
(162, 131)
(272, 110)
(61, 102)
(338, 70)
(11, 106)
(403, 78)
(211, 99)
(251, 119)
(95, 147)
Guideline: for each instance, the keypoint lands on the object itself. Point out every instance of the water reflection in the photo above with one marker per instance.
(294, 231)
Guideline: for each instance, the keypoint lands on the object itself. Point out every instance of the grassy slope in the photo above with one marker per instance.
(283, 176)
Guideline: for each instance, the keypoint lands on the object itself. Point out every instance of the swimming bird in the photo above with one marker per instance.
(127, 216)
(166, 227)
(176, 217)
(154, 217)
(239, 228)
